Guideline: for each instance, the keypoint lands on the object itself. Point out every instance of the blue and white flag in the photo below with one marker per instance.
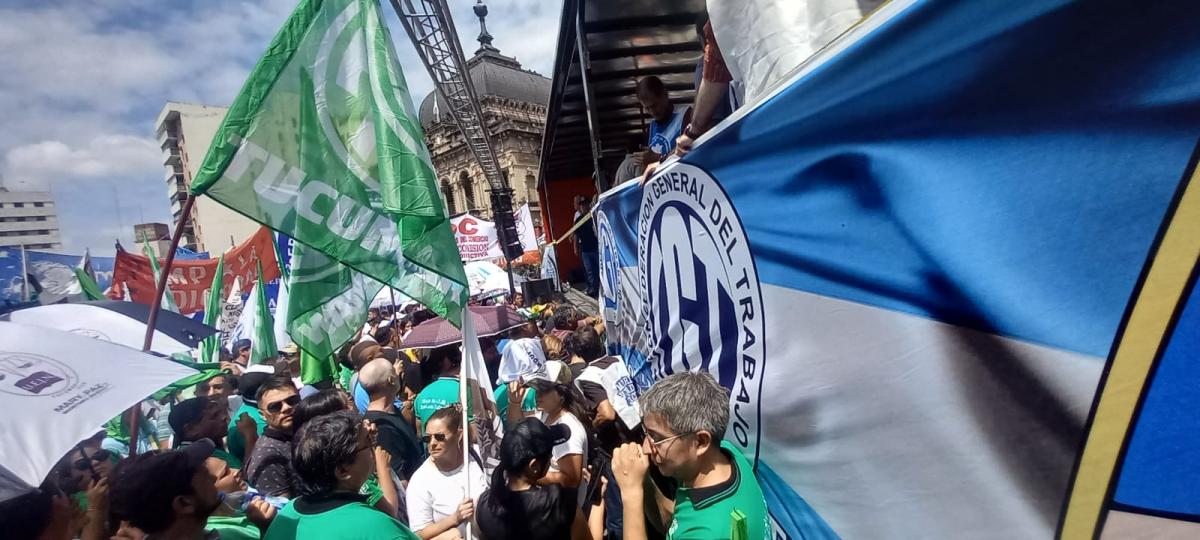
(909, 263)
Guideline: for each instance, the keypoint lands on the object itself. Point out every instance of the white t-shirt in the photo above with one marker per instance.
(577, 444)
(433, 494)
(522, 357)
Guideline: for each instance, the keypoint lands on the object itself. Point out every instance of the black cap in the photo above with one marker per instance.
(186, 412)
(530, 438)
(248, 385)
(142, 487)
(241, 344)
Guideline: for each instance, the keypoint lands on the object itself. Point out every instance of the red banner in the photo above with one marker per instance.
(190, 280)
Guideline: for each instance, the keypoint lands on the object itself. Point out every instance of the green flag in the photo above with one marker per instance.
(87, 278)
(263, 343)
(327, 305)
(210, 348)
(168, 301)
(322, 144)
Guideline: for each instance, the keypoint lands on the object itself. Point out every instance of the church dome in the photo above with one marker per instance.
(492, 74)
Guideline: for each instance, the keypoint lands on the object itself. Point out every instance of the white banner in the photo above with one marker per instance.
(524, 219)
(476, 238)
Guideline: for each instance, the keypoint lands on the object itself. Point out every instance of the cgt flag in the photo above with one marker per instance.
(322, 145)
(913, 263)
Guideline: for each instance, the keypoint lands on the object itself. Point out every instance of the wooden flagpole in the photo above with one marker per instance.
(155, 307)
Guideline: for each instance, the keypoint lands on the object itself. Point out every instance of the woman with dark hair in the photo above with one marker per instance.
(330, 463)
(519, 506)
(382, 488)
(438, 496)
(562, 404)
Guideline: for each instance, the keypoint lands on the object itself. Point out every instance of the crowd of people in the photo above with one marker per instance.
(253, 454)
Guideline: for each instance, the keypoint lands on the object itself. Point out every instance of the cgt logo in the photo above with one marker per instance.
(703, 309)
(610, 266)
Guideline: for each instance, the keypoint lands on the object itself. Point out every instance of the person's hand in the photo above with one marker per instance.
(465, 511)
(649, 173)
(246, 425)
(231, 367)
(683, 144)
(260, 513)
(517, 392)
(629, 466)
(97, 496)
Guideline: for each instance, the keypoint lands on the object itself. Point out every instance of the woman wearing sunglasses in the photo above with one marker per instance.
(439, 505)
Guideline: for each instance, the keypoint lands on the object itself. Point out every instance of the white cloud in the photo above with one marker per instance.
(37, 165)
(84, 80)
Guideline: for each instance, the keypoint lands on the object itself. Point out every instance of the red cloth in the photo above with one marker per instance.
(190, 280)
(714, 64)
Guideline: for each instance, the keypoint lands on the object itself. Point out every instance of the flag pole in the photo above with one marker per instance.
(464, 375)
(155, 306)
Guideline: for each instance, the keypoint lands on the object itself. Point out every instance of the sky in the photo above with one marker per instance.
(84, 81)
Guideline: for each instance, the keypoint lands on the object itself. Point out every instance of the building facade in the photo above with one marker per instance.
(158, 235)
(30, 219)
(513, 101)
(185, 132)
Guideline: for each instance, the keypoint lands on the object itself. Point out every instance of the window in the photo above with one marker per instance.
(19, 205)
(468, 190)
(41, 218)
(448, 193)
(38, 205)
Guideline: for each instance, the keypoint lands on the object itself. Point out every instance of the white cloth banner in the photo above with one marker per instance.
(245, 322)
(763, 41)
(70, 382)
(550, 266)
(96, 322)
(476, 238)
(524, 220)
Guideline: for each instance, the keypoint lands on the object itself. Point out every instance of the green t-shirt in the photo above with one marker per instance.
(233, 440)
(234, 527)
(438, 395)
(349, 521)
(501, 394)
(705, 513)
(233, 461)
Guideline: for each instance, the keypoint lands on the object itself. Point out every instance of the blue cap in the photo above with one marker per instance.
(239, 345)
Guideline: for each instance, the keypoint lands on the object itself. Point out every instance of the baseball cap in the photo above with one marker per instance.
(530, 438)
(140, 485)
(241, 344)
(290, 348)
(248, 384)
(186, 412)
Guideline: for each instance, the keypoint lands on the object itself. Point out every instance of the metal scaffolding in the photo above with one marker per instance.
(431, 29)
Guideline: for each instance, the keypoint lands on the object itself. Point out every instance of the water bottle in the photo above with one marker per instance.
(238, 501)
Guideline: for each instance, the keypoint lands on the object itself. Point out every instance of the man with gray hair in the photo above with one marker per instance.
(685, 416)
(395, 434)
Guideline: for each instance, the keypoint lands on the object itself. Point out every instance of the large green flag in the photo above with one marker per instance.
(168, 300)
(322, 144)
(210, 348)
(263, 343)
(87, 278)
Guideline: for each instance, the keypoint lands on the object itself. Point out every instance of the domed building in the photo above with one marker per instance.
(513, 101)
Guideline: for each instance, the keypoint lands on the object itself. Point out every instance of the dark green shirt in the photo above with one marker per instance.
(233, 440)
(335, 517)
(705, 513)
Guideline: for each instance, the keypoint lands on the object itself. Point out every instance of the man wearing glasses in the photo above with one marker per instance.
(269, 469)
(685, 416)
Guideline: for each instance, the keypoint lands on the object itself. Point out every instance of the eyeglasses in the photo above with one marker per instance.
(656, 444)
(277, 406)
(439, 437)
(85, 463)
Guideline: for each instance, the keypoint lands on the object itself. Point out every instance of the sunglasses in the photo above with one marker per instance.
(277, 406)
(439, 437)
(85, 463)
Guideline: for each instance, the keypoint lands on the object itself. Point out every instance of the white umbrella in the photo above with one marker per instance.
(486, 276)
(57, 388)
(95, 320)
